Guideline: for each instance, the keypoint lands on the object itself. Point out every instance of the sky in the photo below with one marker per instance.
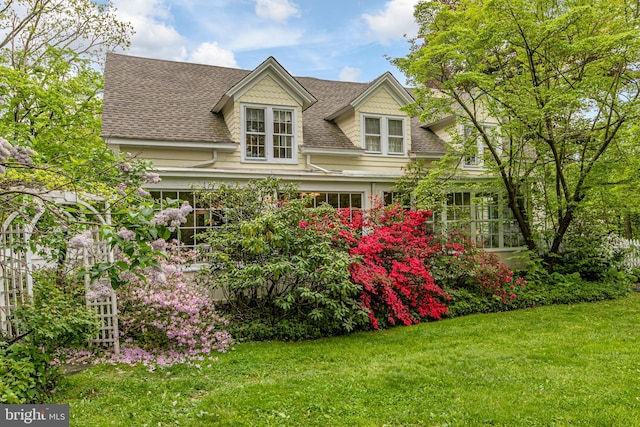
(346, 40)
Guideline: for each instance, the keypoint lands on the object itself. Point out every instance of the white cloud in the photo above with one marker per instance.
(276, 10)
(350, 74)
(153, 36)
(265, 37)
(212, 54)
(395, 21)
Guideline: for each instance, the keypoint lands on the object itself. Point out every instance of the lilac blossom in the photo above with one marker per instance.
(22, 155)
(5, 149)
(124, 167)
(159, 245)
(82, 240)
(126, 235)
(99, 290)
(121, 189)
(173, 217)
(142, 192)
(151, 178)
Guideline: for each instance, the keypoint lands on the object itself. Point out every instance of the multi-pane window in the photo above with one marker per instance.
(484, 217)
(372, 136)
(337, 200)
(283, 134)
(198, 222)
(396, 136)
(384, 135)
(255, 133)
(269, 134)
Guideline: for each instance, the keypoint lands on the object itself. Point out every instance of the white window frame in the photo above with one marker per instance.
(269, 133)
(480, 146)
(491, 226)
(384, 134)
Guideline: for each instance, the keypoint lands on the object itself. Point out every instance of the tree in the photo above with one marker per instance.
(50, 86)
(560, 77)
(80, 28)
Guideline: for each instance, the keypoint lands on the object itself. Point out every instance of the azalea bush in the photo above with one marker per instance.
(389, 263)
(168, 317)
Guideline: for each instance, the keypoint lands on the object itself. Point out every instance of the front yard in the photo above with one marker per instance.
(559, 365)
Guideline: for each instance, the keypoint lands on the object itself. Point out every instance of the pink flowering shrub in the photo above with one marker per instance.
(167, 314)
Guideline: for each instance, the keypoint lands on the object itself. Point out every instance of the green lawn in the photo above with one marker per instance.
(551, 366)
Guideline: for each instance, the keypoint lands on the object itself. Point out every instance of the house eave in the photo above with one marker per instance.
(423, 155)
(173, 144)
(331, 151)
(292, 175)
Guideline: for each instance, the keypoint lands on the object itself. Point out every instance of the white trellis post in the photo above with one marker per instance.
(16, 282)
(17, 262)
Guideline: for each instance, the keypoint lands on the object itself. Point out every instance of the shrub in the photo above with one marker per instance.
(390, 266)
(280, 275)
(544, 288)
(165, 314)
(476, 280)
(587, 249)
(49, 321)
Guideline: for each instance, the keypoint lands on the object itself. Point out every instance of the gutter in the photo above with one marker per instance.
(206, 162)
(311, 165)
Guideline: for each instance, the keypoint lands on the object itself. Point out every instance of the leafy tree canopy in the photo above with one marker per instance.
(51, 85)
(560, 78)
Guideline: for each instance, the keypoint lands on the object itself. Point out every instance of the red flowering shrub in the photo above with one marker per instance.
(407, 274)
(396, 283)
(462, 265)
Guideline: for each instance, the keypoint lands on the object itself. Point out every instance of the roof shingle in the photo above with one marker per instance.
(151, 99)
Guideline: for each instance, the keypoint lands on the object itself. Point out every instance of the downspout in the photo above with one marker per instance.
(311, 165)
(206, 162)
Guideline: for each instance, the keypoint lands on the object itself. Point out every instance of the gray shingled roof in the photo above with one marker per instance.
(151, 99)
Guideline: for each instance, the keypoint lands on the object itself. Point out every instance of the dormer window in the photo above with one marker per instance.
(383, 135)
(269, 134)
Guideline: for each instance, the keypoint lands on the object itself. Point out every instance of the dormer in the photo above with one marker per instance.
(373, 120)
(264, 112)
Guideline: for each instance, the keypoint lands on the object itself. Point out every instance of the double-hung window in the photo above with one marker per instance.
(269, 134)
(384, 135)
(476, 152)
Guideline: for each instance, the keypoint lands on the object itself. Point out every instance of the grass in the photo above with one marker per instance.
(574, 365)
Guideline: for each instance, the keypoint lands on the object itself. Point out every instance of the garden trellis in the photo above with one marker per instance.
(21, 256)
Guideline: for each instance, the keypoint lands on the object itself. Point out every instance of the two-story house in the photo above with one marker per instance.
(345, 142)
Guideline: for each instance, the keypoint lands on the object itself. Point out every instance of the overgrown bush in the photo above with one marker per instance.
(586, 250)
(281, 277)
(544, 288)
(49, 321)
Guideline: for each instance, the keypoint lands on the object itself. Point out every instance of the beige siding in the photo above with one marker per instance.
(233, 121)
(383, 164)
(350, 127)
(268, 91)
(174, 157)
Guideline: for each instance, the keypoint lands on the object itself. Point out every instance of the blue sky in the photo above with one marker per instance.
(329, 39)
